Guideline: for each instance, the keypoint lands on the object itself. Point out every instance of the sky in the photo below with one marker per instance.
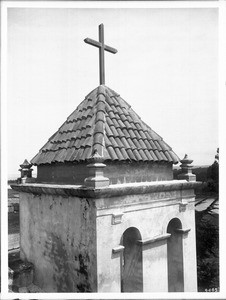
(166, 68)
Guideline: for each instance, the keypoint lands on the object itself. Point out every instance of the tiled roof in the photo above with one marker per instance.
(106, 124)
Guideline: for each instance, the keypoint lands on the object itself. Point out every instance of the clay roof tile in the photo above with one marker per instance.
(112, 153)
(137, 155)
(105, 122)
(130, 154)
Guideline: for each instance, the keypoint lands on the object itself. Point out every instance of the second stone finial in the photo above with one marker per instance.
(96, 177)
(26, 172)
(186, 169)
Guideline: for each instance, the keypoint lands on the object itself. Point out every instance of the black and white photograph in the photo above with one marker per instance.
(110, 150)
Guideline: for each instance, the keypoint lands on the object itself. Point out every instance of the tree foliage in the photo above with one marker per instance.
(213, 177)
(207, 243)
(207, 234)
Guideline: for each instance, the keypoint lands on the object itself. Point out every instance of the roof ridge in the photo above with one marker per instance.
(100, 120)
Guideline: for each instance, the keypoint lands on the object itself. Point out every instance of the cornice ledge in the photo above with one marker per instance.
(110, 191)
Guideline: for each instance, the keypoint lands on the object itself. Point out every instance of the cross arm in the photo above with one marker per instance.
(98, 45)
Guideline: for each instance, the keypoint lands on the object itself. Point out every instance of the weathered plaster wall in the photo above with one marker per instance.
(58, 236)
(150, 214)
(138, 172)
(62, 173)
(74, 242)
(117, 172)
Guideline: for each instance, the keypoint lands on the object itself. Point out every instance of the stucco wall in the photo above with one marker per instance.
(74, 243)
(150, 214)
(58, 235)
(117, 172)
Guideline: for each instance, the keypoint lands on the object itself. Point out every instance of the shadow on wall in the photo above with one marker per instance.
(131, 262)
(175, 257)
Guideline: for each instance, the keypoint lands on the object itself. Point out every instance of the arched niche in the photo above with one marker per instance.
(131, 261)
(175, 257)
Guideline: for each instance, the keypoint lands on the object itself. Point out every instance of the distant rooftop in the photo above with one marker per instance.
(106, 124)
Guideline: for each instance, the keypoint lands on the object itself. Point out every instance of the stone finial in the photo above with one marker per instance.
(26, 172)
(96, 177)
(186, 172)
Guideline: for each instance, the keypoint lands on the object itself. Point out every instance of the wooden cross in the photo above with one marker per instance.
(101, 47)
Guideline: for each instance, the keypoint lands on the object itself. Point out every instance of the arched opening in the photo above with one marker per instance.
(175, 257)
(132, 270)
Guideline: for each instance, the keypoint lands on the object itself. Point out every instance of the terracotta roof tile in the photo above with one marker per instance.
(124, 154)
(157, 145)
(136, 143)
(131, 133)
(107, 142)
(105, 122)
(142, 144)
(113, 142)
(153, 155)
(125, 143)
(158, 154)
(112, 153)
(138, 135)
(79, 154)
(125, 110)
(164, 145)
(88, 131)
(115, 111)
(120, 133)
(148, 154)
(153, 145)
(70, 151)
(143, 136)
(60, 155)
(138, 126)
(88, 141)
(163, 155)
(114, 131)
(126, 133)
(136, 154)
(168, 156)
(119, 142)
(130, 142)
(121, 124)
(109, 119)
(119, 154)
(143, 155)
(111, 114)
(147, 144)
(115, 122)
(174, 157)
(87, 152)
(127, 124)
(108, 108)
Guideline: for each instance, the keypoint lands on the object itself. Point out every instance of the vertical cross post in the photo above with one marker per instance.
(102, 47)
(101, 54)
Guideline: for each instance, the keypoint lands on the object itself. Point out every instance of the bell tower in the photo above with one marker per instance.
(105, 214)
